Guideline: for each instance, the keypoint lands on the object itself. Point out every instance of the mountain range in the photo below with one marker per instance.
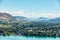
(8, 17)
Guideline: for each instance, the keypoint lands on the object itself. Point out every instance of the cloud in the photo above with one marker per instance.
(37, 15)
(32, 14)
(18, 13)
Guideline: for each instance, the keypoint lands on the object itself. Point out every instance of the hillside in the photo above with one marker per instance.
(6, 17)
(21, 18)
(19, 25)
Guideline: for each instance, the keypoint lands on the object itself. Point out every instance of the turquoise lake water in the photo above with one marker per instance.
(28, 38)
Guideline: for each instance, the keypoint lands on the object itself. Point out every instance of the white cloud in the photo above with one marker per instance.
(18, 13)
(49, 15)
(33, 15)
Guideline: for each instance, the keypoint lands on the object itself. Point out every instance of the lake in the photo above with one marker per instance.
(28, 38)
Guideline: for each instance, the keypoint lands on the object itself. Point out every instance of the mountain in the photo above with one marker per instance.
(6, 17)
(43, 19)
(50, 20)
(21, 18)
(54, 20)
(40, 19)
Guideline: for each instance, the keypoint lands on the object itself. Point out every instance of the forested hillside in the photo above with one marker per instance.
(10, 25)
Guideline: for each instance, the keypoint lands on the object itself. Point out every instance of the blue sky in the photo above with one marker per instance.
(31, 8)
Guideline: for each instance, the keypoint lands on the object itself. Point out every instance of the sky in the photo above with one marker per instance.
(31, 8)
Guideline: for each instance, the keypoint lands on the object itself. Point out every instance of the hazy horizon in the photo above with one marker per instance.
(31, 8)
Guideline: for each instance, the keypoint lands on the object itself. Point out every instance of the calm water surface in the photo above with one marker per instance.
(28, 38)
